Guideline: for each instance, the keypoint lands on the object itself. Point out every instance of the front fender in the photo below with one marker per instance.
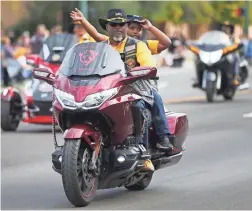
(86, 133)
(9, 93)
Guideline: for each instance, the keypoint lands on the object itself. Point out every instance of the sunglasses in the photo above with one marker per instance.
(117, 24)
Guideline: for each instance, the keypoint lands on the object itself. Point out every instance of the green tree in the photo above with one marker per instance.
(226, 11)
(199, 12)
(181, 11)
(161, 11)
(39, 13)
(172, 11)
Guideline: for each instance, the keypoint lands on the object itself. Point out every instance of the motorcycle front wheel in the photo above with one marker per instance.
(210, 91)
(9, 119)
(79, 183)
(229, 95)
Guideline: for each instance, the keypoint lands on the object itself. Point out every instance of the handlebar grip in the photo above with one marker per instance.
(155, 78)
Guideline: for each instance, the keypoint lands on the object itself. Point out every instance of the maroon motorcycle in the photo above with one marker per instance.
(94, 106)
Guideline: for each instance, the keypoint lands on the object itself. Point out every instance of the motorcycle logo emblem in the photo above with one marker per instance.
(131, 62)
(56, 57)
(87, 57)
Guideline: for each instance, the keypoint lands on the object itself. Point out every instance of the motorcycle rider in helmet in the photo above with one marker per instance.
(229, 30)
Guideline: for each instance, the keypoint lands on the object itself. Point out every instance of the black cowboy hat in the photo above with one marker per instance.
(135, 18)
(114, 16)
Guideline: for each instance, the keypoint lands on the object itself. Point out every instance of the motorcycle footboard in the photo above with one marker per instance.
(166, 161)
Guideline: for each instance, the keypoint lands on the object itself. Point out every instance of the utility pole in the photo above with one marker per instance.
(83, 4)
(247, 18)
(66, 8)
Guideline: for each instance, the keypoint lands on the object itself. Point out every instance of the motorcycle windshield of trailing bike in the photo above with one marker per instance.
(92, 59)
(213, 41)
(56, 46)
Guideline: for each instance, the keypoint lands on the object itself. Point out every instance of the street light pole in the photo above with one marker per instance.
(84, 7)
(247, 18)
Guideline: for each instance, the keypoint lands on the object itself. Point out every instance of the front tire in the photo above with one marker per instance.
(142, 184)
(243, 75)
(210, 91)
(8, 120)
(79, 184)
(229, 95)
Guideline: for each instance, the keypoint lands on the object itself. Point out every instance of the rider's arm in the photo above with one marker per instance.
(91, 30)
(144, 56)
(163, 40)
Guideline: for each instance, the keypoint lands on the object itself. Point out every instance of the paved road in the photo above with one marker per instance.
(215, 172)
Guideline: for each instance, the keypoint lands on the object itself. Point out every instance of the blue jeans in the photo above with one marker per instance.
(158, 116)
(236, 65)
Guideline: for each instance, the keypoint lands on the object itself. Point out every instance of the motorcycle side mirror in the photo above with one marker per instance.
(30, 62)
(44, 74)
(150, 72)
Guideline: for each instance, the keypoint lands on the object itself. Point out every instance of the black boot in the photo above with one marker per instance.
(195, 85)
(164, 144)
(138, 125)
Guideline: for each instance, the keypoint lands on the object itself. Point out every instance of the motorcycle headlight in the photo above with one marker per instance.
(210, 58)
(95, 100)
(65, 99)
(91, 101)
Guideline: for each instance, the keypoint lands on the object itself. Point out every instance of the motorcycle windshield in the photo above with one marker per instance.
(56, 46)
(92, 59)
(213, 41)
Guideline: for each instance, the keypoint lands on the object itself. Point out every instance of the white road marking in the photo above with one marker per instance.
(247, 115)
(244, 86)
